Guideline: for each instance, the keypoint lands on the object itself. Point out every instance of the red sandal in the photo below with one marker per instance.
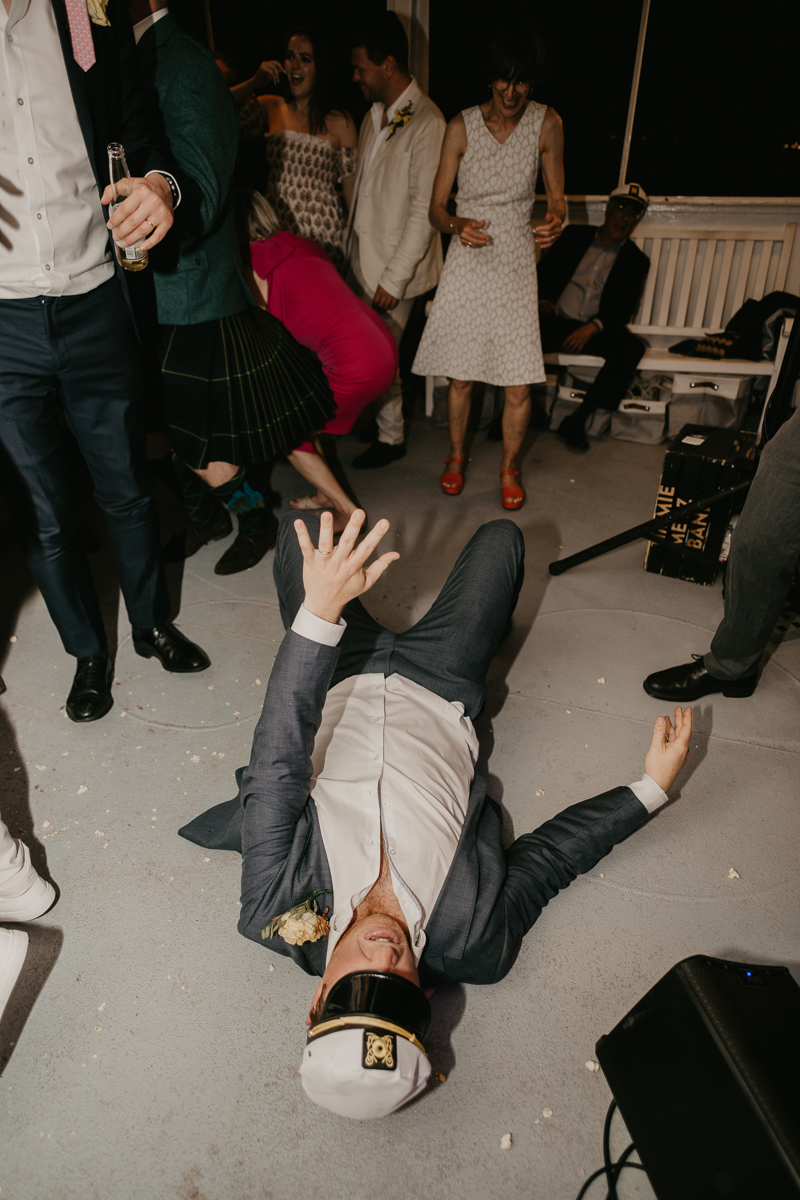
(511, 496)
(452, 481)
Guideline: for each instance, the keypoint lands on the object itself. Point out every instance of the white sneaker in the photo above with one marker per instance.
(35, 902)
(13, 948)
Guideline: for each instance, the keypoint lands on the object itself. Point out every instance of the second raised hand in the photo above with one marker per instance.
(335, 575)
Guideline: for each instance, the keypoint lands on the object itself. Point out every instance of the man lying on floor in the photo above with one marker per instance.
(361, 799)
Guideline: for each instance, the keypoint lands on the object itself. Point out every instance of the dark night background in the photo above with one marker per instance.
(719, 101)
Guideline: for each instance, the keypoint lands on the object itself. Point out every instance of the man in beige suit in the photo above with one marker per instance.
(394, 252)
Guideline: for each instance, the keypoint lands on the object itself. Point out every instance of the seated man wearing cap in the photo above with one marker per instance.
(589, 285)
(361, 799)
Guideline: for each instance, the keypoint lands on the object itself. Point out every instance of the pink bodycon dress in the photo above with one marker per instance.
(308, 295)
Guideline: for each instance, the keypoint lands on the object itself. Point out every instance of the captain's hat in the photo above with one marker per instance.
(365, 1056)
(633, 192)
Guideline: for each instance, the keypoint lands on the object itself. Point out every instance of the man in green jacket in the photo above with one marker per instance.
(202, 299)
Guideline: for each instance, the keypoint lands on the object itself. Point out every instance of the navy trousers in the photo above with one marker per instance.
(621, 349)
(75, 360)
(450, 649)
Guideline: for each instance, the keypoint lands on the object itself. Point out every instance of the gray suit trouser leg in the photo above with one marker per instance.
(449, 650)
(764, 550)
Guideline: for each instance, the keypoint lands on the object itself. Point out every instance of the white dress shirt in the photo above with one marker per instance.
(580, 300)
(61, 245)
(141, 27)
(394, 761)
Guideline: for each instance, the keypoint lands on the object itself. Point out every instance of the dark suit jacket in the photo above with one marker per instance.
(491, 896)
(111, 103)
(623, 286)
(197, 277)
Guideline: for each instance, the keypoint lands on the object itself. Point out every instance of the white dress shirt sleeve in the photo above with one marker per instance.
(317, 630)
(647, 791)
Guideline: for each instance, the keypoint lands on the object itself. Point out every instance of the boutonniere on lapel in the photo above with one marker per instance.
(303, 923)
(97, 11)
(401, 118)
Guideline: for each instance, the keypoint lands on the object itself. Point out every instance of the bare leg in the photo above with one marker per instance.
(516, 417)
(458, 398)
(330, 495)
(216, 473)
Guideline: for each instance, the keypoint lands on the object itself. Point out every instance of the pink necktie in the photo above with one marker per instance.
(81, 32)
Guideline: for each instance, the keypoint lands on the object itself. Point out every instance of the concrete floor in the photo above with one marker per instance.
(149, 1051)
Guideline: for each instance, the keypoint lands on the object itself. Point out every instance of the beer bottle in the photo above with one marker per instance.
(132, 258)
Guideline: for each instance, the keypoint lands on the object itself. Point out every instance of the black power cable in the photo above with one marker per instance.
(611, 1170)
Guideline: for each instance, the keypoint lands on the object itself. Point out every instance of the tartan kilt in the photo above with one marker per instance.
(240, 389)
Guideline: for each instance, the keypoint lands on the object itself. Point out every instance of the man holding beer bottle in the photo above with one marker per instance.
(69, 355)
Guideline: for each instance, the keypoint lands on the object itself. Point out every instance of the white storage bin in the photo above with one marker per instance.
(717, 400)
(568, 397)
(640, 420)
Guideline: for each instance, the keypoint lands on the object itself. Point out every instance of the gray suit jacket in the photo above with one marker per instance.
(491, 896)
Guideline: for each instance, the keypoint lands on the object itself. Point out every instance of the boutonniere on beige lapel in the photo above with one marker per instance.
(401, 118)
(97, 11)
(301, 924)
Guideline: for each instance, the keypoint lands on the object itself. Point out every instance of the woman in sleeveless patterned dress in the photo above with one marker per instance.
(484, 324)
(310, 147)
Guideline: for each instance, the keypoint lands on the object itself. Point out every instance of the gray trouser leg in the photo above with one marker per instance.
(764, 550)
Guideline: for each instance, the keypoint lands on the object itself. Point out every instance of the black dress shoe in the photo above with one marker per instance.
(219, 528)
(369, 433)
(379, 455)
(573, 434)
(691, 681)
(246, 550)
(90, 695)
(174, 651)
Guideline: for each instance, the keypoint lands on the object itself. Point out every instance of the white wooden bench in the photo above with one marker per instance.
(698, 278)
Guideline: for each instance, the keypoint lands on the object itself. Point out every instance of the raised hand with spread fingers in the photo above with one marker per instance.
(335, 575)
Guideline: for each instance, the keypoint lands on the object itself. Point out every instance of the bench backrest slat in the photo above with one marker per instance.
(669, 281)
(646, 306)
(721, 293)
(744, 271)
(686, 285)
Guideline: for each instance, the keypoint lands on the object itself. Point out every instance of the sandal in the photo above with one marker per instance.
(452, 481)
(511, 496)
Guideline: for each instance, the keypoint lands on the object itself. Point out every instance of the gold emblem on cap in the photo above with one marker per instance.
(380, 1050)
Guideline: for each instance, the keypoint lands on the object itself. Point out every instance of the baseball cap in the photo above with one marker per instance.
(365, 1056)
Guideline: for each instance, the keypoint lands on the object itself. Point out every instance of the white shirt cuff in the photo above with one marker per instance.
(649, 793)
(317, 630)
(168, 175)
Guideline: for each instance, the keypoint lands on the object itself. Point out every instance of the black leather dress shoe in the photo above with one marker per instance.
(246, 551)
(174, 651)
(219, 528)
(573, 434)
(379, 455)
(691, 681)
(369, 434)
(90, 695)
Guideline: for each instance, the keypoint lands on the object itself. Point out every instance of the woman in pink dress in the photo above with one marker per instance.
(294, 280)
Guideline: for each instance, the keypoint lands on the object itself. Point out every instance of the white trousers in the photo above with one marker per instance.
(16, 870)
(389, 406)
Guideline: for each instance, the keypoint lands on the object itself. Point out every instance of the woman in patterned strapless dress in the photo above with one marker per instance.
(311, 147)
(484, 324)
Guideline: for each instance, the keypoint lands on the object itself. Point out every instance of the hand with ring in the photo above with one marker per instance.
(145, 211)
(470, 232)
(335, 575)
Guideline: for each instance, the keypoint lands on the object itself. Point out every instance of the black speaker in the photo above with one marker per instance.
(706, 1072)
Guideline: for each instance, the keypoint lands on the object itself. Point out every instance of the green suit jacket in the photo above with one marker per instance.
(196, 271)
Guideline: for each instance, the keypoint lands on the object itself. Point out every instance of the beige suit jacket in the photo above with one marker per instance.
(395, 246)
